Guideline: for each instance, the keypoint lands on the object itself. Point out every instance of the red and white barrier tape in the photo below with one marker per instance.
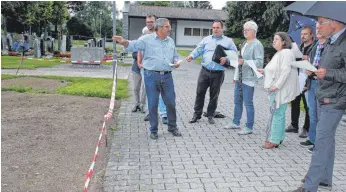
(90, 62)
(108, 115)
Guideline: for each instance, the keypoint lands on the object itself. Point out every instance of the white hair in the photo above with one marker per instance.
(251, 25)
(145, 30)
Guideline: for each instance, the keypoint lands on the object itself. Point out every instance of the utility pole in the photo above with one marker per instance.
(114, 42)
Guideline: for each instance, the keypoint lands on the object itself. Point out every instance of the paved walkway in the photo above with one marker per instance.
(207, 157)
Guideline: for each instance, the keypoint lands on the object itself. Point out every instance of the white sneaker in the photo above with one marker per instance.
(245, 131)
(231, 126)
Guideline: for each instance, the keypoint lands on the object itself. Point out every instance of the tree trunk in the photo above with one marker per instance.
(56, 30)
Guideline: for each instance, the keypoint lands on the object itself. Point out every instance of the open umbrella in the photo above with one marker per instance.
(330, 9)
(297, 22)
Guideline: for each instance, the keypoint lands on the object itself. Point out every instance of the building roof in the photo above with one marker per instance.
(178, 12)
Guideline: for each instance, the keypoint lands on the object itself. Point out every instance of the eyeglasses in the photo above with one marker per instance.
(323, 22)
(167, 26)
(149, 21)
(246, 30)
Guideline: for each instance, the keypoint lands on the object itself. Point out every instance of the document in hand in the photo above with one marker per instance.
(233, 57)
(178, 62)
(304, 64)
(295, 49)
(252, 64)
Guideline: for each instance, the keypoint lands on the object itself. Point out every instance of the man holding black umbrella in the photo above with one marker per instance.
(331, 96)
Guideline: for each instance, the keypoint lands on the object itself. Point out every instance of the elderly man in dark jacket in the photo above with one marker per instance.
(331, 97)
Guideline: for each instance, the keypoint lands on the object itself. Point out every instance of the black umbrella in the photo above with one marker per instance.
(335, 10)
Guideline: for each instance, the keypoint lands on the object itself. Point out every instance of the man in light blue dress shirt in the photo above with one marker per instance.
(212, 73)
(159, 52)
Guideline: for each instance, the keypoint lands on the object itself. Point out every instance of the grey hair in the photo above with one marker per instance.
(160, 22)
(251, 25)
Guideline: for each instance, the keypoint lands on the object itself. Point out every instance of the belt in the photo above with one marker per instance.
(212, 71)
(161, 72)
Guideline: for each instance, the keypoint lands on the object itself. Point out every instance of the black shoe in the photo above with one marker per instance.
(135, 108)
(194, 119)
(146, 118)
(141, 109)
(211, 120)
(154, 136)
(306, 143)
(175, 133)
(303, 134)
(164, 120)
(322, 185)
(291, 129)
(311, 149)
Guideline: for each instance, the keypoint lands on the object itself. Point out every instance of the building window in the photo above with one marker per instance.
(196, 32)
(206, 32)
(187, 31)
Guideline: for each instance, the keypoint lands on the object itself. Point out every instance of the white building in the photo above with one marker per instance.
(189, 25)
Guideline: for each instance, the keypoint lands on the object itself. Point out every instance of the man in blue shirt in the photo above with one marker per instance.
(212, 73)
(159, 52)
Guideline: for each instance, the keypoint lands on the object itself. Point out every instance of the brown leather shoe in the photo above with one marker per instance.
(269, 145)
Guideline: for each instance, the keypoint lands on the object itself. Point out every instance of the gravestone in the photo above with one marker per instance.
(9, 41)
(37, 48)
(49, 44)
(104, 43)
(42, 47)
(3, 43)
(69, 43)
(90, 42)
(63, 44)
(53, 44)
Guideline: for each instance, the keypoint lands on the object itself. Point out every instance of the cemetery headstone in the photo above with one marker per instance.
(37, 48)
(63, 43)
(9, 41)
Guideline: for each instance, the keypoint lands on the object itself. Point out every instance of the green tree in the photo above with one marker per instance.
(199, 4)
(76, 6)
(76, 26)
(269, 17)
(59, 15)
(153, 3)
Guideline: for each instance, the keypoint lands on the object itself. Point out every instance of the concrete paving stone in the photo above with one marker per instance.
(243, 189)
(268, 189)
(207, 157)
(177, 186)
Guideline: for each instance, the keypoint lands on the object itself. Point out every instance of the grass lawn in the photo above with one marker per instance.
(12, 62)
(81, 86)
(119, 64)
(186, 53)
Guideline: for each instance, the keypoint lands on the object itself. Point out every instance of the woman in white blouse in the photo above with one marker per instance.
(281, 80)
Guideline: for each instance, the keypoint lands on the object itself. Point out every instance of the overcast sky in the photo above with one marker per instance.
(217, 4)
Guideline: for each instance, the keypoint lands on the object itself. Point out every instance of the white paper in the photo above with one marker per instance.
(234, 63)
(172, 64)
(297, 53)
(302, 80)
(252, 64)
(232, 54)
(304, 64)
